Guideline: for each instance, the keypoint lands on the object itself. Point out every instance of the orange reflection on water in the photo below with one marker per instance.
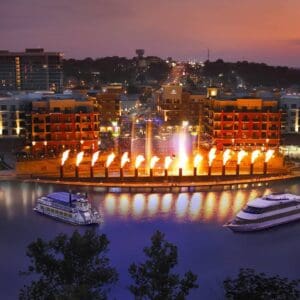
(195, 206)
(167, 203)
(124, 205)
(110, 203)
(138, 205)
(153, 204)
(181, 206)
(239, 202)
(209, 206)
(224, 205)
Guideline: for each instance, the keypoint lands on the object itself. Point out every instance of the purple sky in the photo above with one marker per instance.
(255, 30)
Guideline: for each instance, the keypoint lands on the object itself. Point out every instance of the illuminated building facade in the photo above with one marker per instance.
(14, 117)
(33, 69)
(64, 124)
(242, 123)
(290, 104)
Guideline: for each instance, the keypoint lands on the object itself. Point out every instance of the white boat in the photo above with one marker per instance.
(71, 208)
(266, 212)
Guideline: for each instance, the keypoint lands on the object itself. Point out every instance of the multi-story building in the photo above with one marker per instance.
(290, 104)
(14, 117)
(33, 69)
(242, 123)
(64, 124)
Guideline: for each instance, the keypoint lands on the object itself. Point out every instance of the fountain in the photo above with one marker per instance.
(65, 156)
(109, 160)
(226, 157)
(241, 154)
(254, 156)
(153, 161)
(79, 158)
(139, 159)
(94, 160)
(211, 157)
(124, 160)
(268, 156)
(197, 160)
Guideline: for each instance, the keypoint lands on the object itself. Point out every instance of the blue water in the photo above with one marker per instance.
(192, 221)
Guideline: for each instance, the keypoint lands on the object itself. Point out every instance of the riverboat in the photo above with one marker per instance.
(67, 207)
(267, 211)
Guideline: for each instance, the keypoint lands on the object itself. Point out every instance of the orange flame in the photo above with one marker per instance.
(168, 161)
(211, 156)
(226, 156)
(153, 161)
(197, 160)
(139, 159)
(110, 159)
(182, 160)
(269, 154)
(254, 156)
(79, 158)
(241, 154)
(124, 159)
(95, 157)
(65, 156)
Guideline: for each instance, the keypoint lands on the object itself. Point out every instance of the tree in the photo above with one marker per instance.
(153, 279)
(257, 286)
(74, 267)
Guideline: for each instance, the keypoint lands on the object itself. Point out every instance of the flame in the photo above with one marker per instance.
(182, 160)
(124, 159)
(197, 160)
(139, 159)
(110, 159)
(95, 157)
(254, 155)
(269, 154)
(153, 161)
(226, 156)
(79, 158)
(168, 161)
(241, 155)
(65, 156)
(211, 156)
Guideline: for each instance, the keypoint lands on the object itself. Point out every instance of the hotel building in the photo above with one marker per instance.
(242, 123)
(33, 69)
(64, 124)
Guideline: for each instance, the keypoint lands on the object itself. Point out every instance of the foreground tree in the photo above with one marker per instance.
(154, 280)
(257, 286)
(74, 267)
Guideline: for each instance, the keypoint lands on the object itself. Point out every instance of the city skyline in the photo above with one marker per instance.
(260, 31)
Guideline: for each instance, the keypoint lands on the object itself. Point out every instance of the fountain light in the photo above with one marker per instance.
(197, 160)
(268, 156)
(64, 157)
(211, 157)
(94, 160)
(153, 161)
(79, 158)
(226, 157)
(139, 159)
(109, 160)
(241, 154)
(254, 156)
(124, 160)
(168, 161)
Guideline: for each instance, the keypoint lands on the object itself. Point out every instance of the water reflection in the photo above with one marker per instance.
(207, 207)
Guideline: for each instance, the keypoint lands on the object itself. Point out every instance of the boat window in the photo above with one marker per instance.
(253, 210)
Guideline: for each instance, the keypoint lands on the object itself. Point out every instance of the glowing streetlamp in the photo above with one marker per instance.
(254, 156)
(94, 160)
(226, 157)
(211, 157)
(153, 161)
(124, 160)
(139, 159)
(109, 160)
(168, 161)
(64, 157)
(240, 156)
(78, 161)
(268, 156)
(197, 160)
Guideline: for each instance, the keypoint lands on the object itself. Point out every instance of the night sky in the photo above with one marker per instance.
(255, 30)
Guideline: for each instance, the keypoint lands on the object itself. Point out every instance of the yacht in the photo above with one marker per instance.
(71, 208)
(267, 211)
